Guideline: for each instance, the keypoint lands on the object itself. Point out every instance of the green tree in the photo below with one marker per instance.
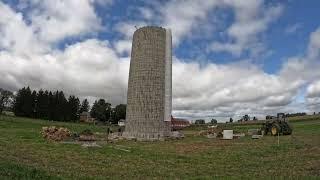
(5, 98)
(23, 103)
(59, 106)
(42, 107)
(200, 121)
(62, 107)
(214, 121)
(18, 101)
(84, 106)
(101, 110)
(34, 113)
(119, 112)
(27, 103)
(51, 106)
(93, 112)
(73, 108)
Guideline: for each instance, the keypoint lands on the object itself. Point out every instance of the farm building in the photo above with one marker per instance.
(85, 117)
(177, 123)
(121, 122)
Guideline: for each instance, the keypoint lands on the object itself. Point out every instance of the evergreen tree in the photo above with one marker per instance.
(34, 113)
(84, 106)
(17, 104)
(73, 108)
(61, 107)
(42, 104)
(93, 112)
(48, 105)
(51, 105)
(23, 103)
(27, 103)
(45, 105)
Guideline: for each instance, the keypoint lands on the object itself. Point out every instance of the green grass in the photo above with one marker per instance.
(24, 154)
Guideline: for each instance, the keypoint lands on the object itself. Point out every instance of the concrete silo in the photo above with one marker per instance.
(149, 102)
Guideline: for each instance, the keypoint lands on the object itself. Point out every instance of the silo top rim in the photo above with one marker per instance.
(151, 27)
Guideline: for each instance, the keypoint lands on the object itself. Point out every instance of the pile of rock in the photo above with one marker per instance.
(116, 136)
(176, 135)
(55, 133)
(87, 135)
(212, 132)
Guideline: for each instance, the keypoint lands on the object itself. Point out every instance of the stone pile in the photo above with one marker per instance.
(211, 132)
(176, 135)
(55, 133)
(87, 135)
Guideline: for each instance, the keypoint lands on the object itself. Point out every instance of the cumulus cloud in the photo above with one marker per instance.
(54, 20)
(313, 96)
(183, 16)
(16, 36)
(252, 17)
(231, 89)
(126, 29)
(94, 68)
(187, 18)
(313, 90)
(314, 45)
(89, 68)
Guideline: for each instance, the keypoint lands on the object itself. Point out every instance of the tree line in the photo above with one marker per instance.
(44, 104)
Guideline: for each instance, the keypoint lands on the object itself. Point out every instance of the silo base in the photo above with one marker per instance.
(146, 136)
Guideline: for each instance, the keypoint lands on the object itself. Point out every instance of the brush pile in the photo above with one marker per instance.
(55, 134)
(87, 135)
(212, 132)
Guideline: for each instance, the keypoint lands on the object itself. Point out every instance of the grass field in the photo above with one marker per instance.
(24, 154)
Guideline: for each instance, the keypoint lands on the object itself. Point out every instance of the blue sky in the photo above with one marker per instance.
(231, 57)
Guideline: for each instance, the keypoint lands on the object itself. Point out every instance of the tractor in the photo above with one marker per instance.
(276, 125)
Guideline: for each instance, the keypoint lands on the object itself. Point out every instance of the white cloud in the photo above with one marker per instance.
(126, 29)
(123, 46)
(252, 18)
(291, 29)
(183, 16)
(147, 13)
(89, 68)
(231, 89)
(94, 68)
(314, 45)
(16, 35)
(313, 90)
(55, 20)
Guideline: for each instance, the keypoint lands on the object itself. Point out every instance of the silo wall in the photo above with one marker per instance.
(149, 89)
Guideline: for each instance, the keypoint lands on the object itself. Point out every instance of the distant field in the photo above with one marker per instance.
(305, 118)
(24, 154)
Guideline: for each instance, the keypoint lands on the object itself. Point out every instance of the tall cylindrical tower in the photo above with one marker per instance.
(149, 87)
